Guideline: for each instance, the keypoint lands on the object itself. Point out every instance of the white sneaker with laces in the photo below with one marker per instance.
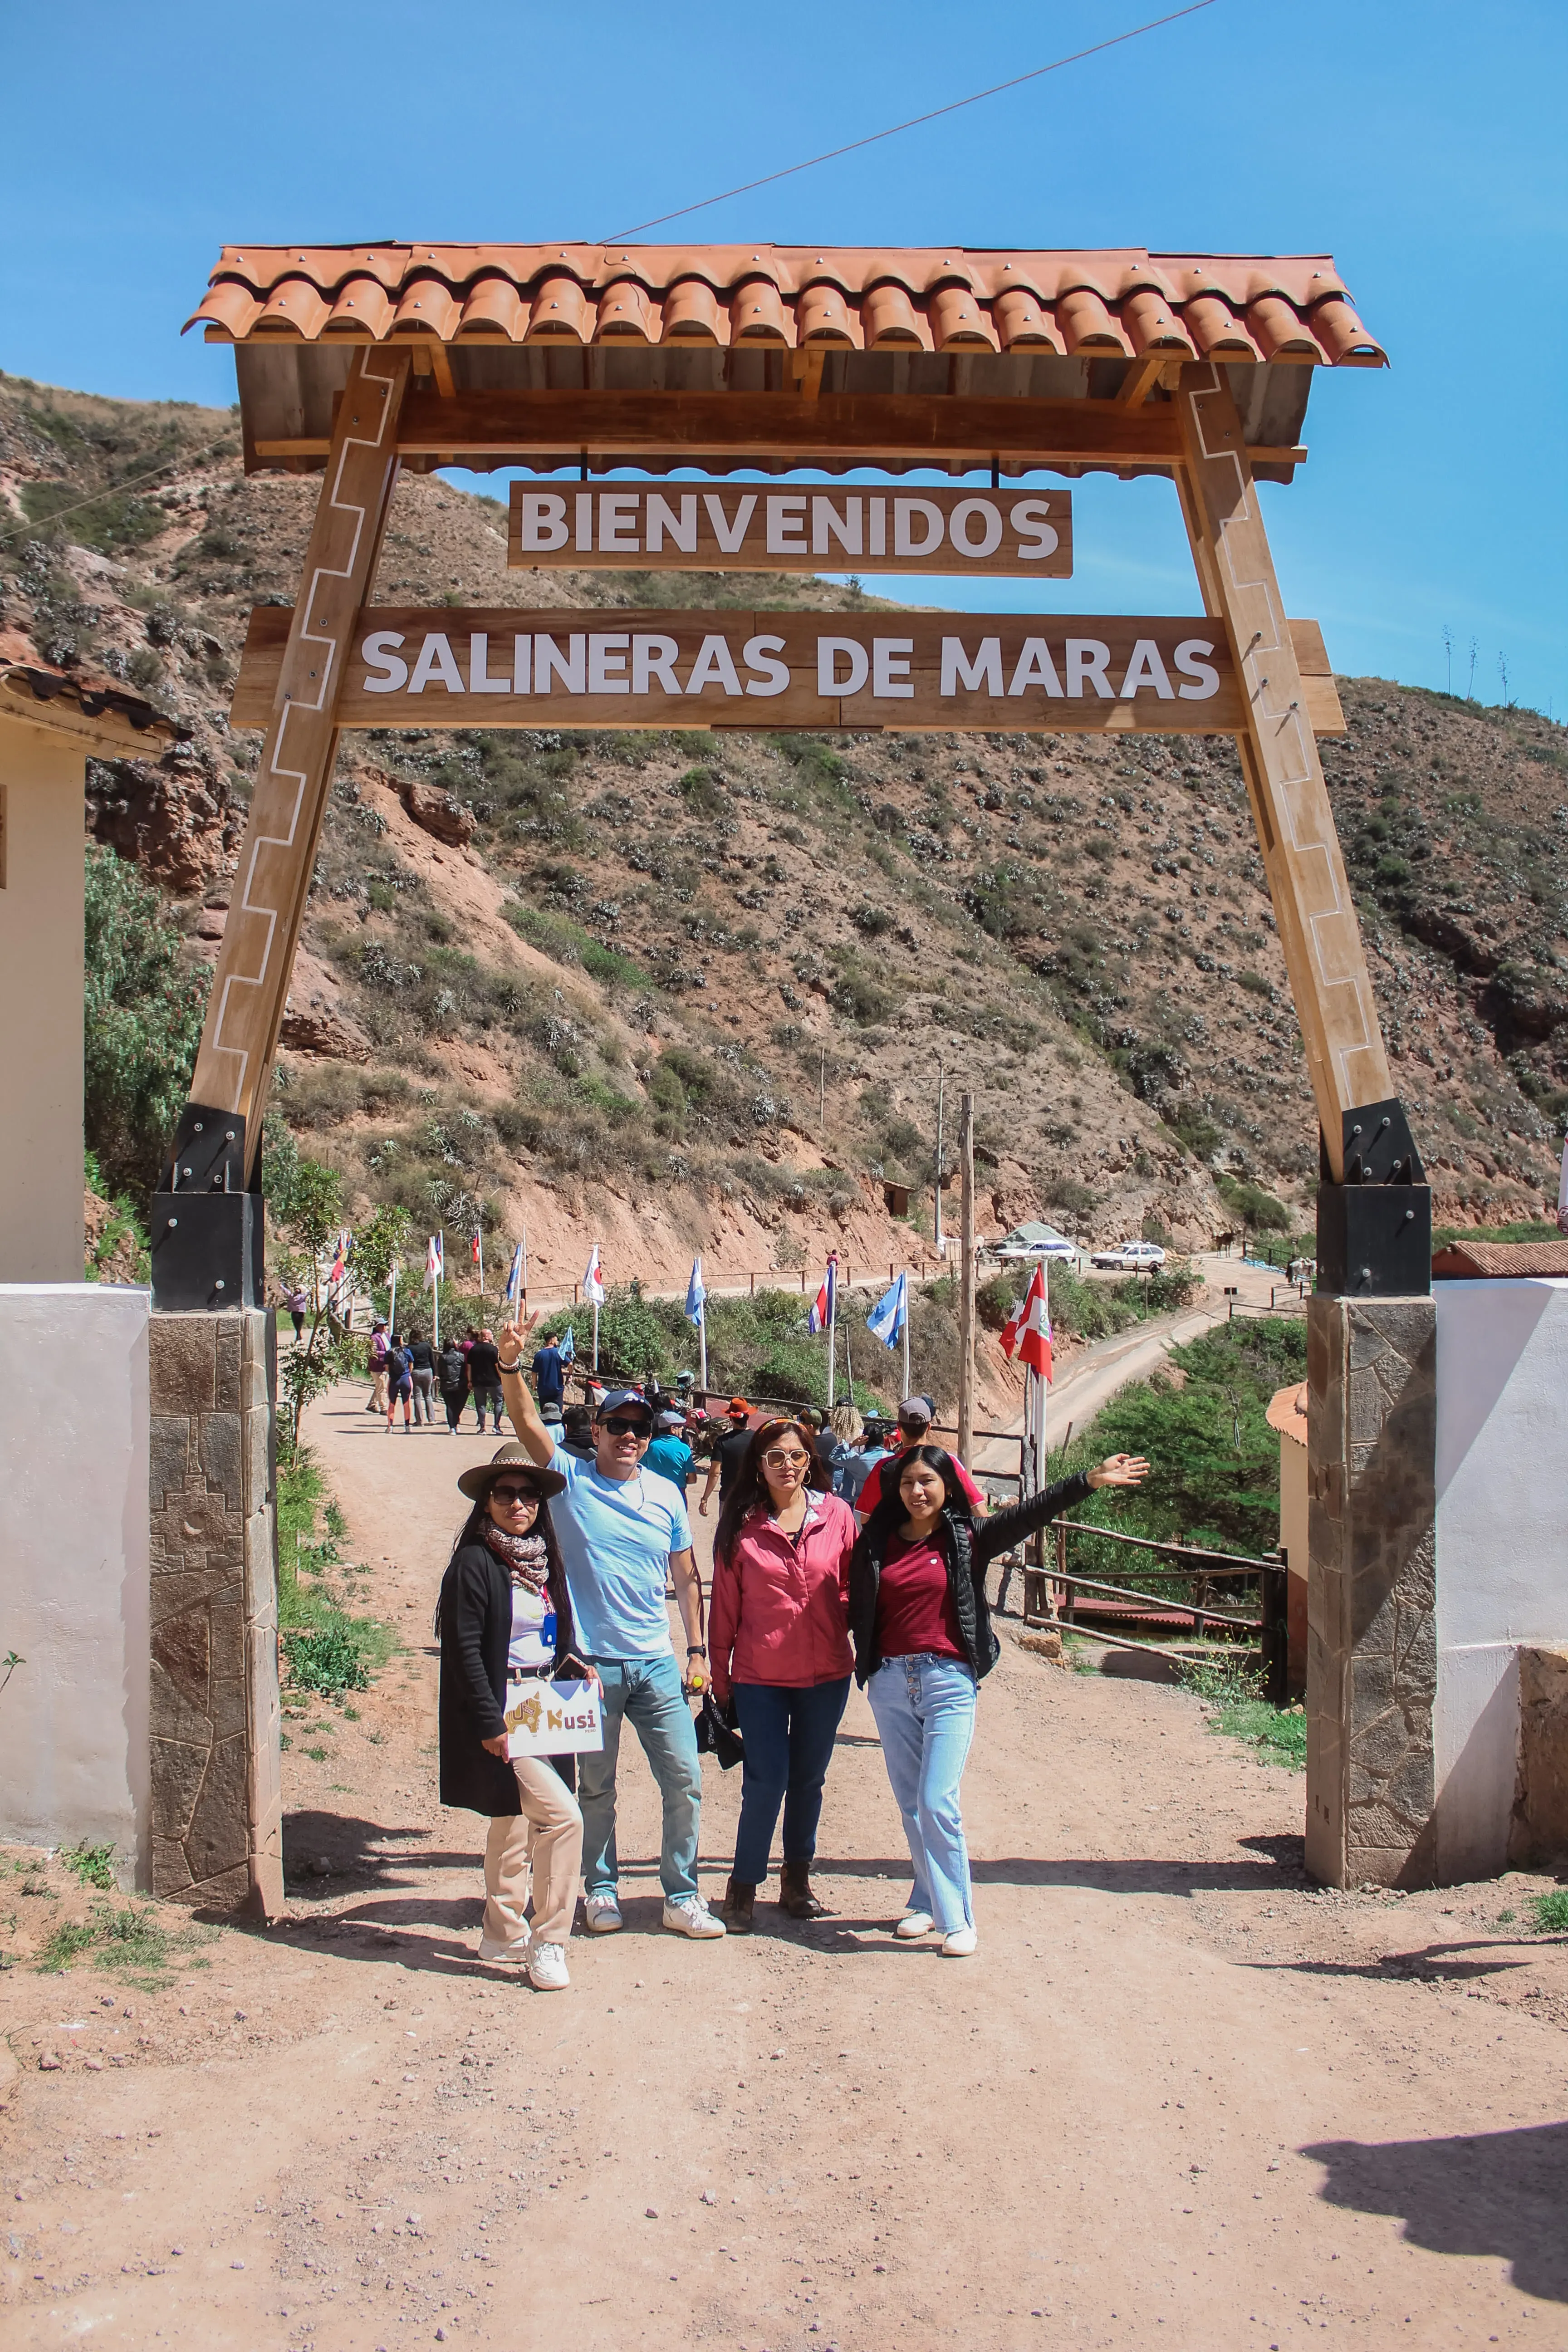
(547, 1969)
(601, 1914)
(518, 1951)
(913, 1924)
(959, 1942)
(687, 1914)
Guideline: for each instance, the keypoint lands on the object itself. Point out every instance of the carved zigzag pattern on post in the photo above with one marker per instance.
(1263, 647)
(268, 877)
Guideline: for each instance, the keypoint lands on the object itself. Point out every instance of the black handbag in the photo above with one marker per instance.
(717, 1734)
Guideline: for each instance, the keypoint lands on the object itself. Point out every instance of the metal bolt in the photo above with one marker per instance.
(198, 1128)
(1410, 1216)
(217, 1286)
(172, 1223)
(229, 1137)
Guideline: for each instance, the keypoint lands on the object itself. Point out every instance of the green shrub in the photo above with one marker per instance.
(93, 1865)
(329, 1659)
(1549, 1913)
(1259, 1210)
(143, 1021)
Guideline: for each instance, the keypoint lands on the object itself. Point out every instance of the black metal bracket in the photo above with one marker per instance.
(1375, 1229)
(208, 1226)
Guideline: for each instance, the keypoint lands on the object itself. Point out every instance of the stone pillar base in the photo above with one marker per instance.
(217, 1804)
(1537, 1834)
(1372, 1642)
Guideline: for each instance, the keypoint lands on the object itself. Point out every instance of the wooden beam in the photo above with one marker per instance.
(1313, 904)
(1141, 379)
(836, 425)
(256, 959)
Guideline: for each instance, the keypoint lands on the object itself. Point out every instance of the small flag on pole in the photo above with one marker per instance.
(474, 1249)
(594, 1280)
(1026, 1334)
(340, 1260)
(824, 1305)
(695, 1294)
(514, 1278)
(887, 1320)
(435, 1269)
(567, 1347)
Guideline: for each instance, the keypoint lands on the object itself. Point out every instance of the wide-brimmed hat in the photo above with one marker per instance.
(475, 1483)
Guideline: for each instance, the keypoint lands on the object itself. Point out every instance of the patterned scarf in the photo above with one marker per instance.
(523, 1556)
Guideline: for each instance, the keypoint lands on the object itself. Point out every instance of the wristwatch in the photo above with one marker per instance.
(697, 1649)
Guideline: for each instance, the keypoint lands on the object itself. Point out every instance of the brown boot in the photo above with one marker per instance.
(739, 1906)
(795, 1896)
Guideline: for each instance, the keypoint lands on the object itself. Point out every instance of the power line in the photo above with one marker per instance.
(915, 120)
(132, 481)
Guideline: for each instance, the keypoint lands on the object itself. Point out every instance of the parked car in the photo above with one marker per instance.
(1032, 1241)
(1129, 1257)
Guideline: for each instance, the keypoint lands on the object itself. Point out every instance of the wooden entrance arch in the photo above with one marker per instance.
(357, 360)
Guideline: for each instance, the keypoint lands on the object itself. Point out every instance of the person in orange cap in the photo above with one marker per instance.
(728, 1455)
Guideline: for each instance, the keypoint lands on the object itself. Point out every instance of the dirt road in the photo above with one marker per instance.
(1177, 2098)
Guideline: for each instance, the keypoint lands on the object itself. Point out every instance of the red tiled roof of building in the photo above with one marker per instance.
(1112, 304)
(1501, 1261)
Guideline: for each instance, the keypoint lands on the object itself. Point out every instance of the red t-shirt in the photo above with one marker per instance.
(915, 1612)
(870, 1494)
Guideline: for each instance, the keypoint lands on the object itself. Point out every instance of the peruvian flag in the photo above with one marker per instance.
(1026, 1333)
(435, 1259)
(474, 1249)
(825, 1306)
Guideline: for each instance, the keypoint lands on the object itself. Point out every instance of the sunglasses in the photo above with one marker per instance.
(619, 1428)
(777, 1459)
(514, 1494)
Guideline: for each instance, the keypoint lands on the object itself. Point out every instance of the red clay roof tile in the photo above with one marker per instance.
(1233, 307)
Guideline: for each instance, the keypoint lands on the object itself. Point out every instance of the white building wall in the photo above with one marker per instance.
(1502, 1544)
(74, 1569)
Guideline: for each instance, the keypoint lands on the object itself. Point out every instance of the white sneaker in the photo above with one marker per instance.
(518, 1951)
(913, 1924)
(601, 1914)
(547, 1969)
(958, 1944)
(687, 1914)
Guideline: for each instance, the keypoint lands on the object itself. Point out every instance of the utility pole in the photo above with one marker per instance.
(939, 1092)
(966, 1278)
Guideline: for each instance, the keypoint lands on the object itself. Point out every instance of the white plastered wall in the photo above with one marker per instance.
(42, 781)
(75, 1756)
(1502, 1544)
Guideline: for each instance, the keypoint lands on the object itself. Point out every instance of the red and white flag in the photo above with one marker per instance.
(474, 1249)
(1026, 1334)
(593, 1279)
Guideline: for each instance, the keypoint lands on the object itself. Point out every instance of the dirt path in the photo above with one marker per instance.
(1177, 2098)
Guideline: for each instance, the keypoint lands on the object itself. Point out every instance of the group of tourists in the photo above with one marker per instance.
(562, 1570)
(410, 1371)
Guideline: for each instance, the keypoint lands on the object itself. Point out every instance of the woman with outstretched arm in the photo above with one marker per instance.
(922, 1628)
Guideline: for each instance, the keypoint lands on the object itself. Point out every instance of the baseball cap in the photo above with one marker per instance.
(616, 1400)
(669, 1420)
(738, 1406)
(917, 1408)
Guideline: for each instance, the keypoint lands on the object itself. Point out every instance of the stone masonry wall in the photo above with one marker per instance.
(217, 1840)
(1371, 1641)
(1537, 1834)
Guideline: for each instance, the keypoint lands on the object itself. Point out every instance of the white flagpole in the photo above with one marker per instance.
(832, 1329)
(481, 1239)
(907, 1389)
(524, 1265)
(703, 1347)
(435, 1302)
(595, 1338)
(392, 1301)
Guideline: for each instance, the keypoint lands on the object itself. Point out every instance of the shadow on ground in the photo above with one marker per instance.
(1498, 2193)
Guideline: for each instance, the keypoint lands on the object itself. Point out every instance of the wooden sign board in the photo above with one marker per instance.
(742, 527)
(766, 671)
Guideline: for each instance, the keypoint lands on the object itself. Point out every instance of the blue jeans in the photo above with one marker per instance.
(645, 1693)
(789, 1737)
(925, 1709)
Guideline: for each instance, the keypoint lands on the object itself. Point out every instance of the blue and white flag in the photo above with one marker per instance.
(887, 1320)
(514, 1278)
(695, 1294)
(825, 1306)
(566, 1347)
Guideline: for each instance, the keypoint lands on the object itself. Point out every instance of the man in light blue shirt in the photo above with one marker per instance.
(621, 1528)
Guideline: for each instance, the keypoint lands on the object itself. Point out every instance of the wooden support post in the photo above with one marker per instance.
(966, 1280)
(255, 960)
(1321, 940)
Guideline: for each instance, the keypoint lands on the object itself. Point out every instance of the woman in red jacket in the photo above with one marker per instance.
(778, 1635)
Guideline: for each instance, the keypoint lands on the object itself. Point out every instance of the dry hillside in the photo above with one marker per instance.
(601, 983)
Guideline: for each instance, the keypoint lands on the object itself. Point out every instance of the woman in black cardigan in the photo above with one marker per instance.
(921, 1629)
(504, 1614)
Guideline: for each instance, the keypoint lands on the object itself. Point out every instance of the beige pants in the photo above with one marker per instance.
(378, 1389)
(543, 1842)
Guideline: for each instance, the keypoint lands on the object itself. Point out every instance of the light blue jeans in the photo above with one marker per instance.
(925, 1709)
(647, 1694)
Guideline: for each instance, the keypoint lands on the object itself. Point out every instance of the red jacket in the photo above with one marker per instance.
(779, 1610)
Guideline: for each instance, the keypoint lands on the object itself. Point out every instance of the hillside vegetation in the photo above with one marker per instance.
(684, 990)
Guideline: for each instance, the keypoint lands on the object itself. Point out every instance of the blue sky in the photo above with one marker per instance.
(1420, 141)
